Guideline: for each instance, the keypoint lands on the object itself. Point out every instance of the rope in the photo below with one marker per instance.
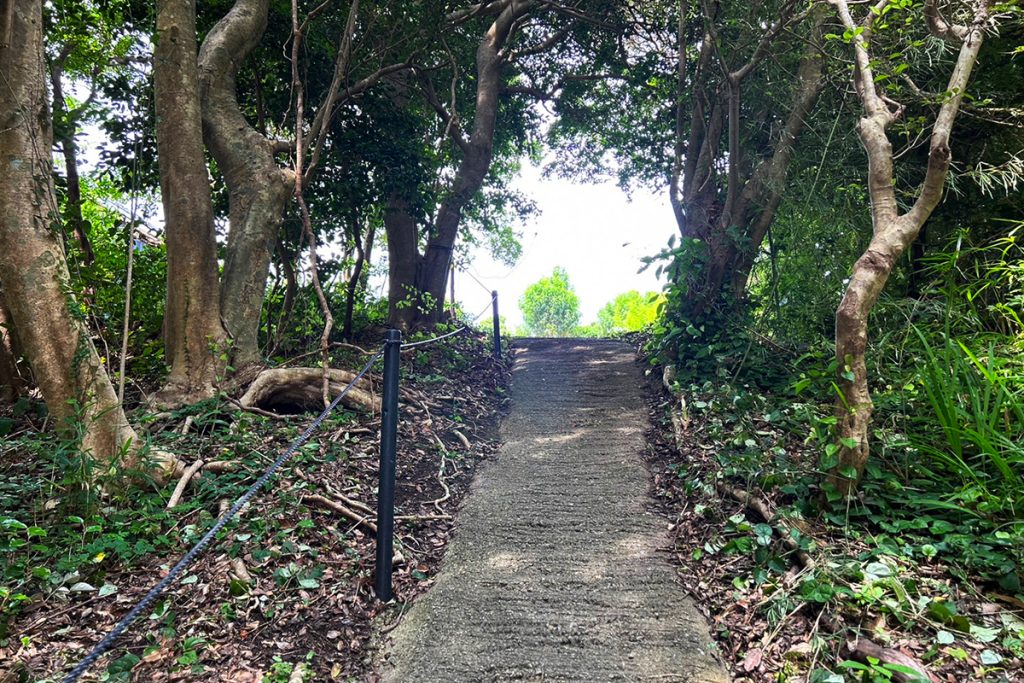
(108, 641)
(476, 280)
(424, 342)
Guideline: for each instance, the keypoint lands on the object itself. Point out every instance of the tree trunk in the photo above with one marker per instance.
(11, 384)
(66, 124)
(33, 269)
(258, 189)
(194, 338)
(403, 262)
(762, 195)
(432, 276)
(364, 251)
(892, 231)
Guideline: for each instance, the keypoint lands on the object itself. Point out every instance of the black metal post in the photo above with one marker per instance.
(386, 486)
(497, 325)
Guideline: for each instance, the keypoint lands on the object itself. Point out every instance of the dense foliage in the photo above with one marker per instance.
(550, 306)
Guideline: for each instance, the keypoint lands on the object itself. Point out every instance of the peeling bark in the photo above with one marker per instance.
(892, 232)
(194, 337)
(33, 268)
(258, 188)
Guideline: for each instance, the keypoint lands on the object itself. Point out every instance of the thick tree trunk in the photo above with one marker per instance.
(892, 231)
(194, 337)
(33, 269)
(11, 384)
(258, 188)
(403, 262)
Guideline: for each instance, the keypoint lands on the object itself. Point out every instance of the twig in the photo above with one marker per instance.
(341, 510)
(255, 410)
(760, 507)
(463, 439)
(440, 476)
(127, 303)
(186, 476)
(307, 225)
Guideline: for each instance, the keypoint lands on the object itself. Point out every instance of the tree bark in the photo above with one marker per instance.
(432, 276)
(403, 262)
(66, 123)
(258, 188)
(33, 268)
(892, 232)
(299, 390)
(364, 251)
(751, 198)
(194, 337)
(11, 384)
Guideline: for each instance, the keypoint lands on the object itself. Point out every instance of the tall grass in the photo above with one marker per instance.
(974, 430)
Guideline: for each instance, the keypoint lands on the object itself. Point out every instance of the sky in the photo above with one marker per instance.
(593, 231)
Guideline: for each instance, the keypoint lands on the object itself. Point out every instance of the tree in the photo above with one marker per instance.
(518, 37)
(193, 335)
(47, 319)
(628, 312)
(258, 186)
(710, 109)
(893, 228)
(550, 306)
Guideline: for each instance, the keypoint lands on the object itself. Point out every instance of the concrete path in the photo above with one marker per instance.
(554, 573)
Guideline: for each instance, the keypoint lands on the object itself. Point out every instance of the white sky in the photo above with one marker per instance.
(593, 231)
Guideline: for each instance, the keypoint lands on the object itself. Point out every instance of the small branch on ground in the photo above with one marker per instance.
(335, 506)
(186, 476)
(864, 650)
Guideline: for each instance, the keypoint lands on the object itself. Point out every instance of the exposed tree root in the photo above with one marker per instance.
(463, 439)
(186, 477)
(759, 506)
(300, 389)
(221, 466)
(335, 506)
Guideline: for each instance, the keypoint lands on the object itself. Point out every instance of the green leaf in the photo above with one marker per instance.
(944, 638)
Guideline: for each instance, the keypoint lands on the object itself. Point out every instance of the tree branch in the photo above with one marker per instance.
(939, 27)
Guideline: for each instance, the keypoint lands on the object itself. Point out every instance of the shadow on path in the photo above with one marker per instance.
(554, 572)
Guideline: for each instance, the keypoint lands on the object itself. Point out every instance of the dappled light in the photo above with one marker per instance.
(512, 340)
